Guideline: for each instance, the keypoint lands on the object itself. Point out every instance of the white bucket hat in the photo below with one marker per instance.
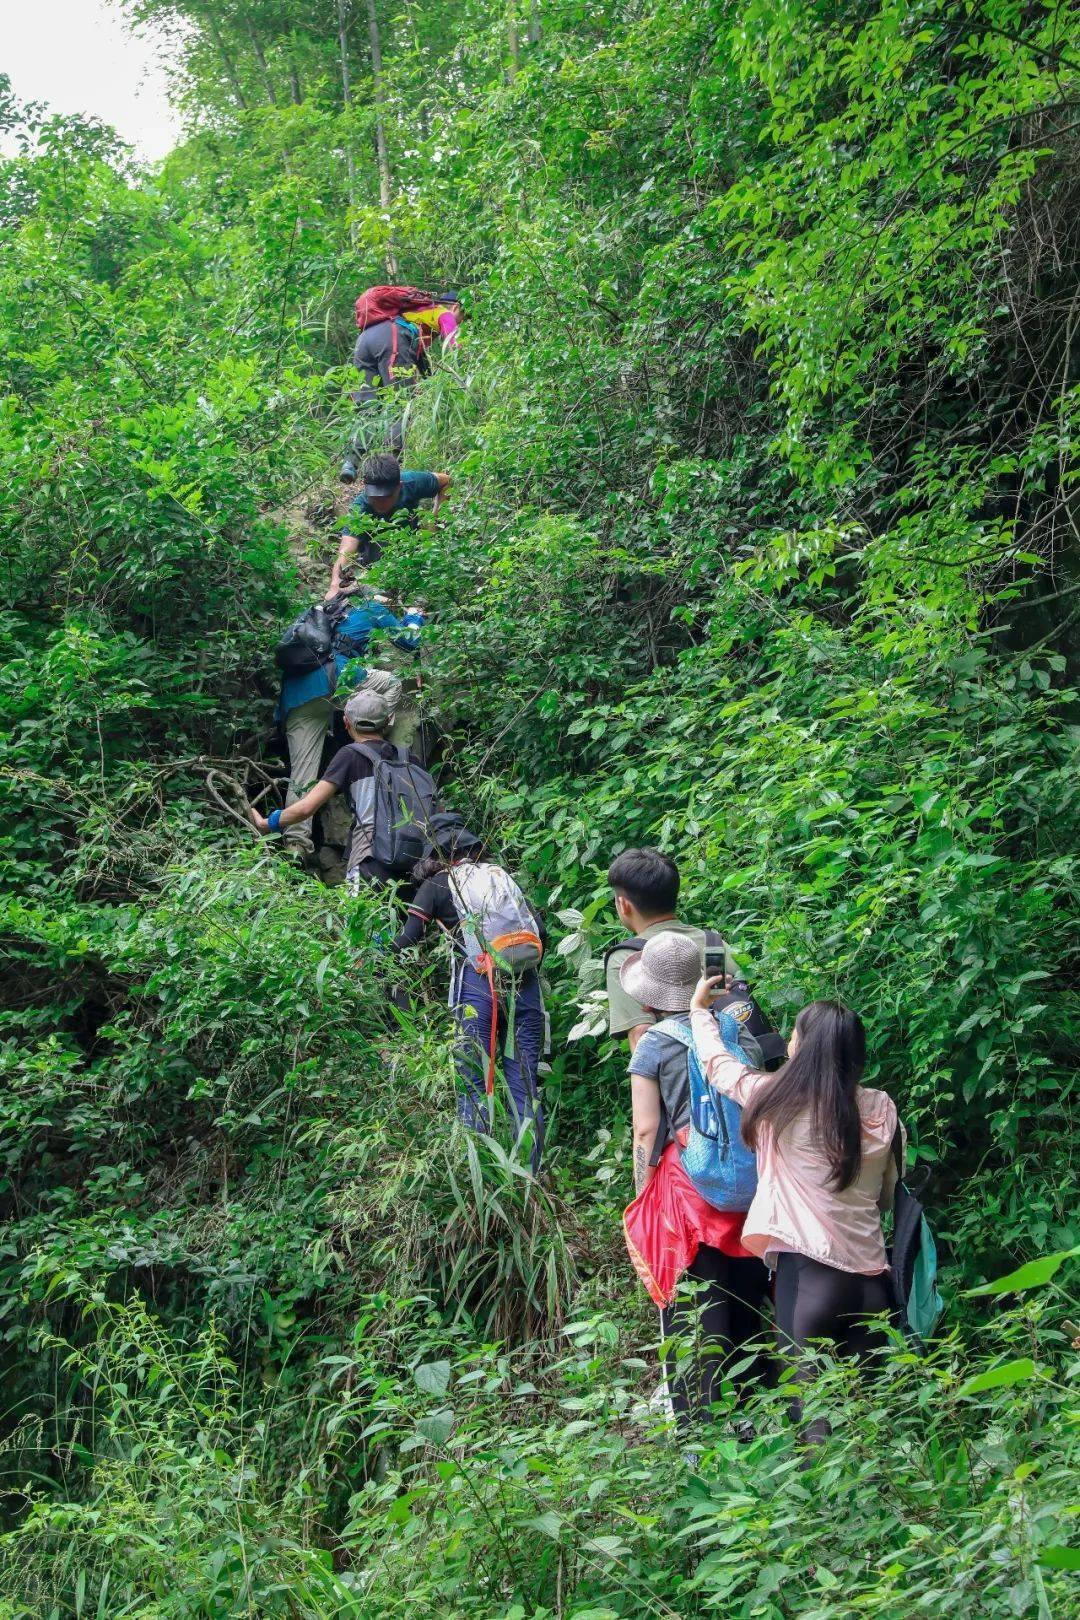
(664, 974)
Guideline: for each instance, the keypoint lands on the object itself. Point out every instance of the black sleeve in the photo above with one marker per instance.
(435, 898)
(423, 909)
(411, 933)
(345, 768)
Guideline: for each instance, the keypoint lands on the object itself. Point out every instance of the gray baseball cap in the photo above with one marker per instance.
(368, 709)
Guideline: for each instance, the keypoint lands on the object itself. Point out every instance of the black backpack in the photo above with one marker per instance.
(308, 643)
(758, 1035)
(405, 798)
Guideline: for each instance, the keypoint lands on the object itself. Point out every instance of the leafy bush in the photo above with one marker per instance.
(491, 1483)
(762, 546)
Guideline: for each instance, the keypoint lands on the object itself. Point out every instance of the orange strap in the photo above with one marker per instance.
(487, 968)
(505, 941)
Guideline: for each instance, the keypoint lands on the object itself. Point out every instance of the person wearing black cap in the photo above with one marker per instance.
(389, 495)
(497, 938)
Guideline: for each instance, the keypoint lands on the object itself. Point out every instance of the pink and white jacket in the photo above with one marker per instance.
(796, 1209)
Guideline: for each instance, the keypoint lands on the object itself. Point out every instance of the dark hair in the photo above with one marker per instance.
(821, 1075)
(440, 860)
(381, 470)
(648, 879)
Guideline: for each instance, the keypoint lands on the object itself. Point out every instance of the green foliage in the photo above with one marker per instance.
(910, 1506)
(762, 546)
(500, 1484)
(176, 1522)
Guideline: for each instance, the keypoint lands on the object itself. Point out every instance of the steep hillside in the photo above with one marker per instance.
(762, 548)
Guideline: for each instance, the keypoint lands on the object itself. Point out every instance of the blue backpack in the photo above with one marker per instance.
(717, 1160)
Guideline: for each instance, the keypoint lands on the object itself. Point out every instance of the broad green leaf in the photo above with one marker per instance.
(437, 1426)
(1010, 1372)
(433, 1377)
(549, 1524)
(1060, 1557)
(1031, 1275)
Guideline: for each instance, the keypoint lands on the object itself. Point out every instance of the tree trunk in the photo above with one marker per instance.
(260, 57)
(227, 62)
(534, 22)
(346, 96)
(514, 41)
(294, 85)
(380, 130)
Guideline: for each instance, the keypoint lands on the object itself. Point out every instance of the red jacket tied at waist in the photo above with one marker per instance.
(666, 1225)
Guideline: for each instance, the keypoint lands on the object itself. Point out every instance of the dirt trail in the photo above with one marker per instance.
(311, 520)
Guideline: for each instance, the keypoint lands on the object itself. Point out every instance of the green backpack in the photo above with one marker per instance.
(912, 1260)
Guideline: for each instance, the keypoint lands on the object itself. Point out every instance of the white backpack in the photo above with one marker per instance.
(493, 916)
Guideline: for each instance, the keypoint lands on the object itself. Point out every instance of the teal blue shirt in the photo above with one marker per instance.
(415, 487)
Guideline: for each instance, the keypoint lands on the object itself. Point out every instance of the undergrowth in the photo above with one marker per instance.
(762, 546)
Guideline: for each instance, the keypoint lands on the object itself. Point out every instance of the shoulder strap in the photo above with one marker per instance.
(401, 755)
(674, 1031)
(898, 1149)
(637, 944)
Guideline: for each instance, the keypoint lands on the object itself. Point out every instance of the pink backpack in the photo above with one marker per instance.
(387, 303)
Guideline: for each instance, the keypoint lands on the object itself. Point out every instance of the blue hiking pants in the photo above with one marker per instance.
(472, 1011)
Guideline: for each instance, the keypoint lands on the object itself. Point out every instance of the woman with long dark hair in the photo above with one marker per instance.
(826, 1170)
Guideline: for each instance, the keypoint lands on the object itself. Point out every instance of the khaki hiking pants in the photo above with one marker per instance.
(402, 668)
(306, 729)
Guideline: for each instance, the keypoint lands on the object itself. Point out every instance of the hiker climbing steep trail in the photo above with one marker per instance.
(378, 779)
(319, 656)
(390, 496)
(497, 940)
(397, 326)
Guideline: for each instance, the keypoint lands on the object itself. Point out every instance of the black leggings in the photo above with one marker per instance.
(722, 1315)
(816, 1301)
